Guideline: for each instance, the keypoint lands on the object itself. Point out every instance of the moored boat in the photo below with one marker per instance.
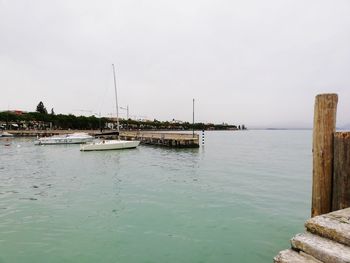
(73, 138)
(109, 145)
(6, 134)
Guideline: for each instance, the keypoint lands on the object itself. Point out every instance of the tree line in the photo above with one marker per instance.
(42, 119)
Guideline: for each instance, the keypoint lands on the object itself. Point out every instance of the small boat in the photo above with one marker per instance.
(6, 134)
(109, 145)
(73, 138)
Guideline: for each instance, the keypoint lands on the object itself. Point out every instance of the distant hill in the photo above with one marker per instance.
(345, 127)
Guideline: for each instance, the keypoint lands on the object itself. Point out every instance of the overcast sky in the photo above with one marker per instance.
(255, 62)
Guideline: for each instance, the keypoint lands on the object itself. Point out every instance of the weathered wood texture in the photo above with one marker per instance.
(292, 256)
(334, 226)
(321, 248)
(341, 171)
(324, 127)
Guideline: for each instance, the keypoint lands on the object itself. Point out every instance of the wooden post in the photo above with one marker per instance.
(324, 127)
(341, 173)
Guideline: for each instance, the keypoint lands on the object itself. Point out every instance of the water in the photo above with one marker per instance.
(240, 198)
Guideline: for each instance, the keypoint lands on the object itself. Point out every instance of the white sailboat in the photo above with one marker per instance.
(111, 144)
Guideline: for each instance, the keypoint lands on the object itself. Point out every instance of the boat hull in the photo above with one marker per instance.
(66, 139)
(63, 141)
(109, 145)
(6, 135)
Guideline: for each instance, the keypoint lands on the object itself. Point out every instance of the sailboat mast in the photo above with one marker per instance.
(116, 98)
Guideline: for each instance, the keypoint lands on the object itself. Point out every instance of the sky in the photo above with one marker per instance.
(252, 62)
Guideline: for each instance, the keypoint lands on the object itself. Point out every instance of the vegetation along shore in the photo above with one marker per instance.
(42, 120)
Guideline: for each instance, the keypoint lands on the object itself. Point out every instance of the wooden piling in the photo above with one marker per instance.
(327, 236)
(324, 127)
(341, 171)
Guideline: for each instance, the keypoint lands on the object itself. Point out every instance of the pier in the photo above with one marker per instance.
(327, 235)
(168, 139)
(178, 140)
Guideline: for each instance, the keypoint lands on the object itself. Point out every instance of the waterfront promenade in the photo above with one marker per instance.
(161, 138)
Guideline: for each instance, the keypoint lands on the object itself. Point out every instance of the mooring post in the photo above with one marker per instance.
(202, 137)
(193, 120)
(341, 171)
(324, 128)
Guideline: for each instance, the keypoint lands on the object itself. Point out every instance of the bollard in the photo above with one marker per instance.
(324, 127)
(202, 137)
(341, 171)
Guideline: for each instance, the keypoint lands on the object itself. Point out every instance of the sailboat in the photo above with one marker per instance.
(111, 144)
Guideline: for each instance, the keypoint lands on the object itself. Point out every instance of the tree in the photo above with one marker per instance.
(41, 108)
(52, 112)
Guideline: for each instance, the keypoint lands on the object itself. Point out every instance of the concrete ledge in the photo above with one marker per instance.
(334, 226)
(323, 249)
(292, 256)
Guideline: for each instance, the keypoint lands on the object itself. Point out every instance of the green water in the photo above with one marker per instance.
(240, 198)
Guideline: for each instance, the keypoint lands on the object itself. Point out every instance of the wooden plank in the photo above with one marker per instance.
(321, 248)
(324, 127)
(334, 226)
(341, 171)
(291, 256)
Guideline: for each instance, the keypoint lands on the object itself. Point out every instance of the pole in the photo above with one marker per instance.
(322, 148)
(127, 116)
(99, 121)
(127, 112)
(193, 119)
(116, 99)
(341, 173)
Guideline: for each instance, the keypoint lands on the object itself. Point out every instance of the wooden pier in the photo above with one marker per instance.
(168, 139)
(327, 235)
(178, 140)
